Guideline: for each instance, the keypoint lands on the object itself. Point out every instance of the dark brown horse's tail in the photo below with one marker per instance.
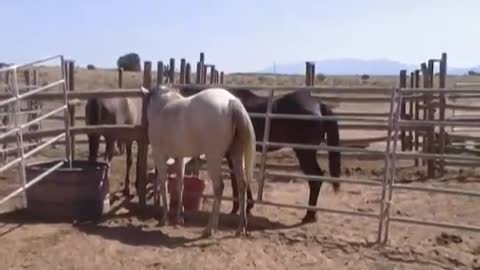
(92, 117)
(333, 139)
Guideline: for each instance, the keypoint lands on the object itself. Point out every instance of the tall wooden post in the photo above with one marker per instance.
(417, 116)
(411, 112)
(221, 77)
(142, 143)
(160, 71)
(403, 108)
(198, 75)
(188, 72)
(172, 71)
(442, 103)
(212, 74)
(204, 74)
(182, 70)
(120, 77)
(203, 69)
(307, 73)
(430, 117)
(71, 109)
(312, 73)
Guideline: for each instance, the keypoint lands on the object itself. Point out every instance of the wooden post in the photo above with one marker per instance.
(442, 82)
(182, 70)
(142, 144)
(221, 77)
(217, 76)
(71, 109)
(411, 112)
(403, 108)
(204, 74)
(212, 74)
(172, 71)
(203, 69)
(307, 74)
(430, 117)
(188, 72)
(160, 71)
(417, 116)
(425, 80)
(198, 75)
(120, 77)
(312, 73)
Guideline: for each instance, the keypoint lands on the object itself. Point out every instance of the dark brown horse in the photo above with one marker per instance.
(293, 131)
(112, 111)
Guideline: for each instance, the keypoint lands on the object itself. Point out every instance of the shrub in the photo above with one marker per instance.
(129, 62)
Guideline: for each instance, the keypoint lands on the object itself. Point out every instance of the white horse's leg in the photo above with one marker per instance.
(161, 187)
(180, 171)
(214, 166)
(236, 156)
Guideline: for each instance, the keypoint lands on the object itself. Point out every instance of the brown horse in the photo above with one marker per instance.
(112, 111)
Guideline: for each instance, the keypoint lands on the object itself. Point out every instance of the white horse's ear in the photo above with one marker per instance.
(145, 90)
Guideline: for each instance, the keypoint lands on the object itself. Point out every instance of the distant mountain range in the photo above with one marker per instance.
(352, 66)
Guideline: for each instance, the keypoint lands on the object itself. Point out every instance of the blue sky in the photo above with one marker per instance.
(246, 35)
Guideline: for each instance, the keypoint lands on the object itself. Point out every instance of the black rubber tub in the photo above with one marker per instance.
(80, 193)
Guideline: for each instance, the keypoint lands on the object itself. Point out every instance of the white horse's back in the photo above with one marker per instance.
(183, 123)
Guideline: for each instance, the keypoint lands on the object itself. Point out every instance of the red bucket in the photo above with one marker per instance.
(193, 188)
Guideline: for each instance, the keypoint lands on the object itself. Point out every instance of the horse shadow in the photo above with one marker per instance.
(138, 225)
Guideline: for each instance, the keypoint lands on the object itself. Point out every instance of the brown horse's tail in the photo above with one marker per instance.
(92, 117)
(333, 139)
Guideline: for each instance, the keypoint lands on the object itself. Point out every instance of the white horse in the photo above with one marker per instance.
(212, 122)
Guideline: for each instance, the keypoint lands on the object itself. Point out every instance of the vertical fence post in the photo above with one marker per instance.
(212, 74)
(202, 69)
(312, 73)
(38, 105)
(160, 72)
(430, 116)
(71, 87)
(266, 136)
(411, 105)
(204, 74)
(172, 71)
(425, 102)
(188, 73)
(221, 77)
(417, 116)
(442, 134)
(386, 172)
(142, 143)
(307, 73)
(120, 77)
(182, 70)
(66, 115)
(403, 106)
(198, 74)
(393, 164)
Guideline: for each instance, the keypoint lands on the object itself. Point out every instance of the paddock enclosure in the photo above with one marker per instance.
(409, 179)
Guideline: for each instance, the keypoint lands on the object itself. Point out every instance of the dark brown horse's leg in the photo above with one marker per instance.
(309, 165)
(128, 149)
(93, 144)
(235, 191)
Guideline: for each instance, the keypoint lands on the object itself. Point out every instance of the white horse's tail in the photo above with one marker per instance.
(246, 134)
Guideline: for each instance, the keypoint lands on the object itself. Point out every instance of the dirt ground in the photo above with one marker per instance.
(129, 239)
(132, 239)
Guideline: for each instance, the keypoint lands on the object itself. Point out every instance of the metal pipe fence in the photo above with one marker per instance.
(18, 128)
